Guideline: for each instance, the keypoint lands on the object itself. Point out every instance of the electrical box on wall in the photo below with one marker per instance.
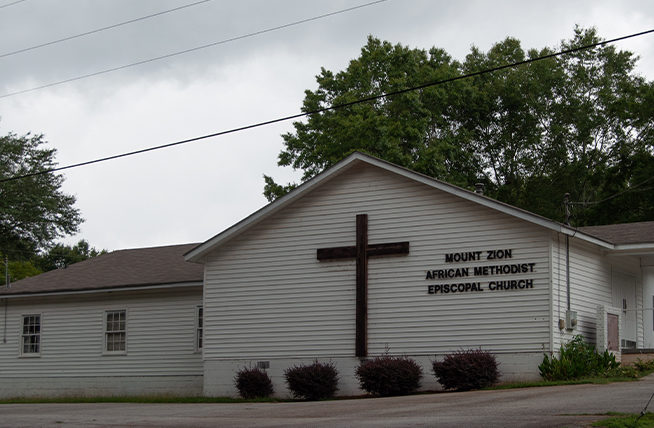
(571, 320)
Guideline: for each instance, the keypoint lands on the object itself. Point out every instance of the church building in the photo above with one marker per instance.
(366, 258)
(370, 258)
(123, 323)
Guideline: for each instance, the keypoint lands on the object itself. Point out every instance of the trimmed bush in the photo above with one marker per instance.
(253, 383)
(578, 359)
(312, 382)
(467, 369)
(388, 376)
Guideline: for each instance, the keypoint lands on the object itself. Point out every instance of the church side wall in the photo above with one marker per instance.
(160, 355)
(219, 374)
(268, 298)
(590, 285)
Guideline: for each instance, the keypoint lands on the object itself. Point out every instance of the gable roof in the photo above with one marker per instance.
(143, 267)
(357, 158)
(623, 234)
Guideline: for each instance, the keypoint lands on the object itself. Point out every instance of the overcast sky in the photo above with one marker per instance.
(191, 192)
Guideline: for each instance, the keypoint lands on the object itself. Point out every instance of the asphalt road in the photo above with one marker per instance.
(560, 406)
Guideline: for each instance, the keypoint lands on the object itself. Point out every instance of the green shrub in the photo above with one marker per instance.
(312, 382)
(253, 383)
(466, 370)
(578, 359)
(387, 375)
(623, 371)
(644, 366)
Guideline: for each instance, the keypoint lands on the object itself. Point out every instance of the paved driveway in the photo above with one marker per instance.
(561, 406)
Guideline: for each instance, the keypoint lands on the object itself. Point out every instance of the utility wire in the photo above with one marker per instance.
(102, 29)
(326, 109)
(256, 33)
(11, 4)
(614, 196)
(644, 410)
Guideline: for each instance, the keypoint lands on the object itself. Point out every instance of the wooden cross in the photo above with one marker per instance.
(361, 252)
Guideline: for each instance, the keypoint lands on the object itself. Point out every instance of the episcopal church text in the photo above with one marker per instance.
(462, 272)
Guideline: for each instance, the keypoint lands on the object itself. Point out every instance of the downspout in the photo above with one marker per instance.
(4, 337)
(567, 266)
(566, 201)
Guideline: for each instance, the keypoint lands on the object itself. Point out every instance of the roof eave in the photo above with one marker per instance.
(101, 290)
(198, 253)
(645, 249)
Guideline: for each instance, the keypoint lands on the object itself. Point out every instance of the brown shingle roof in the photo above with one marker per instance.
(622, 234)
(123, 268)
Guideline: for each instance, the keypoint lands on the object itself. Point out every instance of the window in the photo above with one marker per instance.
(31, 336)
(115, 332)
(199, 324)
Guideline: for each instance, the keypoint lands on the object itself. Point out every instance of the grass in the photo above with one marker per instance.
(165, 398)
(589, 380)
(627, 421)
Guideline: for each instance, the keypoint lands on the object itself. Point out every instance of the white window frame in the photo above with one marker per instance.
(107, 332)
(36, 334)
(199, 328)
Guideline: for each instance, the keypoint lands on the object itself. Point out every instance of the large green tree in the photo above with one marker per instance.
(58, 256)
(61, 256)
(33, 210)
(579, 123)
(413, 129)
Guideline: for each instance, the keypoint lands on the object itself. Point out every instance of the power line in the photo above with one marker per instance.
(644, 410)
(613, 196)
(11, 4)
(256, 33)
(102, 29)
(323, 110)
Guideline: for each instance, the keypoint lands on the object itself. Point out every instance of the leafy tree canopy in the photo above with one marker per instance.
(59, 256)
(33, 210)
(580, 123)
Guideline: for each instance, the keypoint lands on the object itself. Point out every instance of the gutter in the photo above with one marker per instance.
(101, 290)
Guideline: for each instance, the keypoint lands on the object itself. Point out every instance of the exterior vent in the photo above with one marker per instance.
(263, 365)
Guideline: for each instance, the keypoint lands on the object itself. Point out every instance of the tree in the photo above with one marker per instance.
(413, 129)
(580, 123)
(61, 256)
(33, 210)
(600, 130)
(17, 269)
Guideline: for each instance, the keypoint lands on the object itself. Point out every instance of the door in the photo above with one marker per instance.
(624, 297)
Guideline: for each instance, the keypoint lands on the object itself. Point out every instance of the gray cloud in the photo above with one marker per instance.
(192, 192)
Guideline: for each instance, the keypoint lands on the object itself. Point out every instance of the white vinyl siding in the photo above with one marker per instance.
(267, 296)
(591, 278)
(161, 334)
